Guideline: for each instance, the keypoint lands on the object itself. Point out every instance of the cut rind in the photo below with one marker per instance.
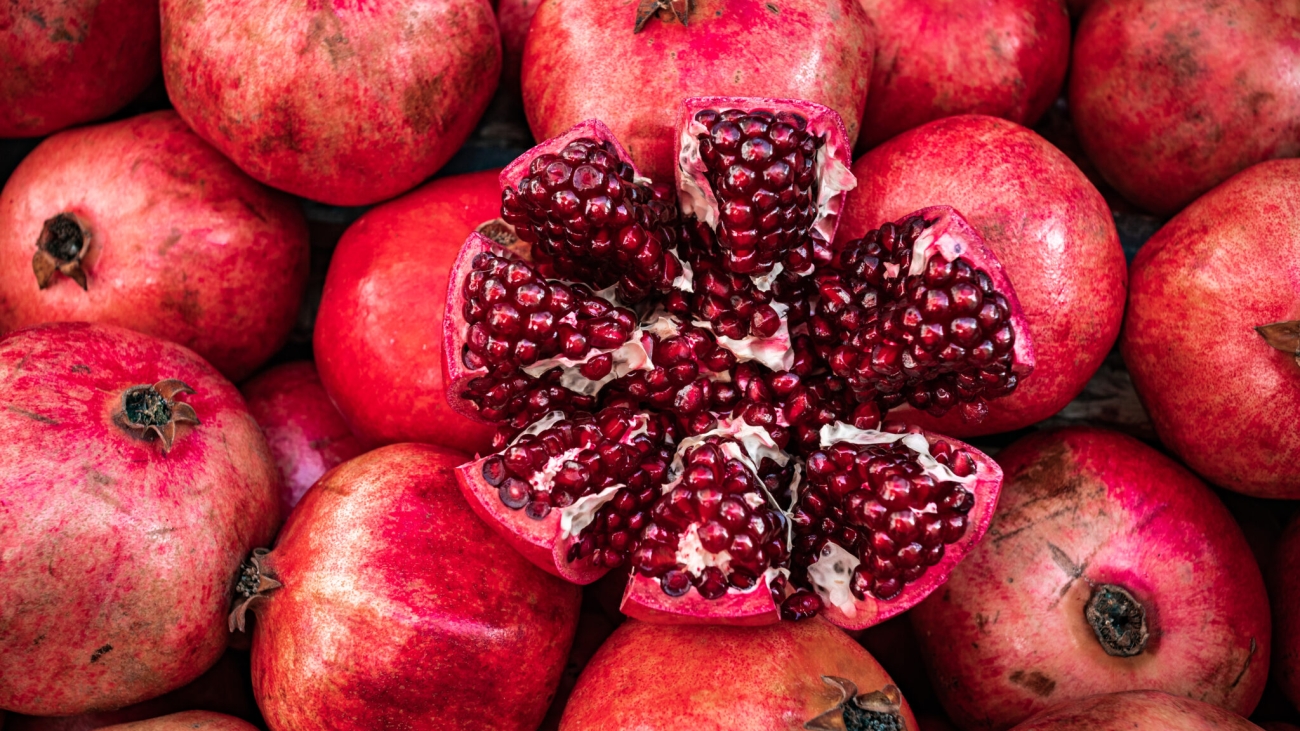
(644, 599)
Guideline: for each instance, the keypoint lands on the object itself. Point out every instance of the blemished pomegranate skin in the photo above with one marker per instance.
(1228, 264)
(1137, 710)
(378, 333)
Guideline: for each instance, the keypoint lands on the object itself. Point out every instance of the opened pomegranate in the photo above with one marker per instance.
(119, 593)
(1226, 265)
(344, 102)
(710, 415)
(631, 65)
(940, 58)
(199, 720)
(1108, 567)
(383, 295)
(1284, 590)
(1046, 224)
(387, 604)
(1172, 97)
(141, 224)
(305, 432)
(66, 63)
(1139, 710)
(724, 678)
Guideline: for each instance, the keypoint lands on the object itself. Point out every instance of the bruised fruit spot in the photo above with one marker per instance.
(1035, 682)
(100, 653)
(1119, 620)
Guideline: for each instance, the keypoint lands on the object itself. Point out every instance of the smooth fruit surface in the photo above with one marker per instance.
(1285, 592)
(67, 62)
(377, 333)
(1048, 226)
(1172, 97)
(1108, 567)
(344, 102)
(146, 538)
(198, 720)
(661, 678)
(1138, 710)
(400, 609)
(1226, 265)
(168, 237)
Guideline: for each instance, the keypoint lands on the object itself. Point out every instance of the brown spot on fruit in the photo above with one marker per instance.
(1035, 682)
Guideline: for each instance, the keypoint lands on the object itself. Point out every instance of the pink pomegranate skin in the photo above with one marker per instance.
(582, 61)
(1172, 97)
(1226, 264)
(182, 245)
(306, 434)
(378, 332)
(1284, 588)
(654, 677)
(1046, 223)
(342, 101)
(401, 609)
(71, 61)
(147, 542)
(1081, 510)
(1137, 710)
(940, 58)
(204, 720)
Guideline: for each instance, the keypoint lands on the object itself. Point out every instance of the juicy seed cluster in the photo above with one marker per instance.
(590, 219)
(878, 503)
(763, 169)
(713, 530)
(680, 380)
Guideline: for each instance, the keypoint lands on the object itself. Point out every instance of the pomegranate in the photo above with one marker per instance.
(383, 295)
(585, 60)
(176, 485)
(185, 721)
(513, 18)
(66, 63)
(304, 430)
(1139, 710)
(1045, 222)
(387, 604)
(1285, 591)
(1172, 97)
(1228, 262)
(1108, 567)
(343, 102)
(699, 394)
(939, 58)
(141, 224)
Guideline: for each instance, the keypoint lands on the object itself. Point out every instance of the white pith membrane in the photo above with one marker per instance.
(943, 243)
(628, 357)
(831, 573)
(773, 352)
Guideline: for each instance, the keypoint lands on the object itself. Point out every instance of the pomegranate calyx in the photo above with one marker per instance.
(1283, 336)
(1118, 619)
(152, 412)
(665, 9)
(255, 582)
(879, 709)
(63, 243)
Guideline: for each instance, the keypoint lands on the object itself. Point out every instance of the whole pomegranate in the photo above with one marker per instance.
(199, 720)
(1228, 266)
(940, 58)
(1137, 710)
(588, 59)
(1285, 593)
(376, 337)
(805, 675)
(346, 102)
(141, 224)
(134, 482)
(1046, 223)
(1172, 97)
(306, 434)
(387, 604)
(1108, 567)
(64, 62)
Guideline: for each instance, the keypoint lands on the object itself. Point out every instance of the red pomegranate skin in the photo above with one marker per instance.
(146, 543)
(377, 339)
(1226, 264)
(1284, 588)
(1137, 710)
(1172, 97)
(513, 18)
(307, 435)
(65, 62)
(182, 246)
(653, 677)
(1081, 508)
(1046, 223)
(400, 609)
(940, 58)
(582, 61)
(346, 102)
(204, 720)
